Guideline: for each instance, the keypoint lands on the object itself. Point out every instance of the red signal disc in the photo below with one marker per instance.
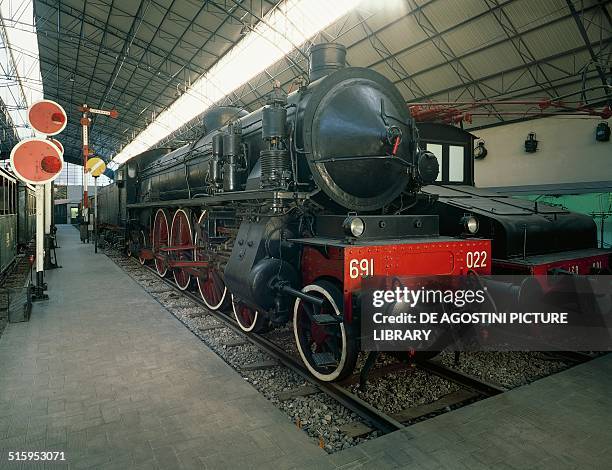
(36, 161)
(47, 117)
(58, 144)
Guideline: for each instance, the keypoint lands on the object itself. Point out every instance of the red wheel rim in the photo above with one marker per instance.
(181, 236)
(210, 284)
(160, 239)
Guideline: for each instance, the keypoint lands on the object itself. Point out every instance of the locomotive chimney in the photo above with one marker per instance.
(326, 58)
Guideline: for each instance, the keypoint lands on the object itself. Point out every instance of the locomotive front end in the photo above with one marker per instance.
(358, 138)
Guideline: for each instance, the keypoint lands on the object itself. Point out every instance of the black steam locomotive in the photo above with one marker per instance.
(282, 212)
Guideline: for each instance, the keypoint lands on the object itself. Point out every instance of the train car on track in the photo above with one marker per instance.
(17, 217)
(528, 237)
(279, 214)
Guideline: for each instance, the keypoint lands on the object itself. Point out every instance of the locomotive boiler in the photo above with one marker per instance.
(282, 212)
(348, 135)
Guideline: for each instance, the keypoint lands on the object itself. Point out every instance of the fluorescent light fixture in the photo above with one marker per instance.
(20, 53)
(289, 25)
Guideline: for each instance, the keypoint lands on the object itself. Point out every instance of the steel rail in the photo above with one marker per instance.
(337, 391)
(466, 380)
(575, 357)
(349, 400)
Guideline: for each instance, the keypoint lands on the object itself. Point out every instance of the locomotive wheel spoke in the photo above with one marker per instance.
(329, 351)
(248, 319)
(181, 235)
(210, 284)
(160, 237)
(143, 244)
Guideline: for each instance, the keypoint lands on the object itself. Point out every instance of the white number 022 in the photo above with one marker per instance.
(361, 267)
(476, 259)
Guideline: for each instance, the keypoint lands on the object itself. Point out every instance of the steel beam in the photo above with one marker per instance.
(587, 42)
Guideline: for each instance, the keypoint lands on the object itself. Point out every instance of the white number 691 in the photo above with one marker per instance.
(361, 267)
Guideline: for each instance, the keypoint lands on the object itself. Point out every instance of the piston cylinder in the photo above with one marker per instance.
(232, 141)
(230, 174)
(273, 122)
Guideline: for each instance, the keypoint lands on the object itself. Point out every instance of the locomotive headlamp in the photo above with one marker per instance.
(470, 224)
(354, 226)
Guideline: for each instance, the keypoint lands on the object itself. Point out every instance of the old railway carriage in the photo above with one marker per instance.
(280, 213)
(17, 217)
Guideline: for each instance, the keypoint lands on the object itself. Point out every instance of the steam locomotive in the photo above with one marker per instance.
(282, 212)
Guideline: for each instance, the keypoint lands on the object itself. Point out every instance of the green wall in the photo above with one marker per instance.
(585, 204)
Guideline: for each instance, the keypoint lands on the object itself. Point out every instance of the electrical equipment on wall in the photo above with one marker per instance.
(602, 132)
(480, 151)
(531, 144)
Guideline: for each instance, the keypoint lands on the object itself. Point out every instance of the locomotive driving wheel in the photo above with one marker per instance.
(328, 348)
(248, 319)
(181, 236)
(210, 284)
(142, 241)
(160, 237)
(128, 249)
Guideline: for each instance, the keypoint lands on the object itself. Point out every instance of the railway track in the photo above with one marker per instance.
(471, 388)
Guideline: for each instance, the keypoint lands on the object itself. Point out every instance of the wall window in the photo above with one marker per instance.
(61, 192)
(8, 195)
(455, 163)
(436, 149)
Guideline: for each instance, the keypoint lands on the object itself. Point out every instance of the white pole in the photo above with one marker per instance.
(47, 208)
(95, 214)
(40, 227)
(40, 239)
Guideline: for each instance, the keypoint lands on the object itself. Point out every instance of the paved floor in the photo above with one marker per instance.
(103, 373)
(560, 422)
(107, 375)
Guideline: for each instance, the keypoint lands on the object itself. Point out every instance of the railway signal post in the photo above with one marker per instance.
(38, 162)
(85, 123)
(95, 166)
(50, 242)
